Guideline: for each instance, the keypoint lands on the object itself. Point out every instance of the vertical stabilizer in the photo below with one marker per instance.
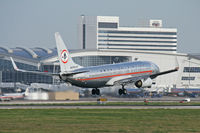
(66, 62)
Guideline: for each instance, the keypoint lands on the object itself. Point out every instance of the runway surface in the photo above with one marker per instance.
(94, 100)
(95, 107)
(28, 104)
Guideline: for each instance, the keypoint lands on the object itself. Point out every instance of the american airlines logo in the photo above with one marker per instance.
(64, 56)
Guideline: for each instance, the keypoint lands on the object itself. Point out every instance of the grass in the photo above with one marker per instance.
(99, 120)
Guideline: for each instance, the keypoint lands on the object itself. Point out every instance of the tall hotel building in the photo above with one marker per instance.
(104, 33)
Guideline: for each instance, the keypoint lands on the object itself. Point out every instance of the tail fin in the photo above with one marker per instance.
(66, 62)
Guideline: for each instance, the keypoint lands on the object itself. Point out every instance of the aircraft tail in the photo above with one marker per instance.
(66, 62)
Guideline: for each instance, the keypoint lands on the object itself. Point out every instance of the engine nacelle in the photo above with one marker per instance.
(143, 83)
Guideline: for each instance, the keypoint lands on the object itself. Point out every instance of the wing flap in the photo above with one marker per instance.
(132, 80)
(128, 80)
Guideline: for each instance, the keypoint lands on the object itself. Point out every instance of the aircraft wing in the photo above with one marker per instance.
(45, 73)
(35, 72)
(164, 72)
(130, 80)
(168, 71)
(127, 80)
(124, 80)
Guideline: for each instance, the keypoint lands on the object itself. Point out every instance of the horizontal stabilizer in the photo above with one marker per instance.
(73, 73)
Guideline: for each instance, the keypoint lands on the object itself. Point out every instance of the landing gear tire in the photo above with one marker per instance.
(95, 92)
(122, 91)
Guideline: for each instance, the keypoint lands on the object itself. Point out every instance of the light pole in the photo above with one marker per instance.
(189, 70)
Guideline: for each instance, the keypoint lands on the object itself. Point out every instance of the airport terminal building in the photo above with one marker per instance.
(103, 41)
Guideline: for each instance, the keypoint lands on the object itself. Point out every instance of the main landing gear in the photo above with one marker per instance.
(122, 91)
(95, 91)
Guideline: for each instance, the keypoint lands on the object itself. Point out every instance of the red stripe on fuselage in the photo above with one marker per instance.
(109, 76)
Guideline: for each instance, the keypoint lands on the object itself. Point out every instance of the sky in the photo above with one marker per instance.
(32, 23)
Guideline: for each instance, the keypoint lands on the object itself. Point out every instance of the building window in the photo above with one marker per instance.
(139, 49)
(137, 32)
(107, 25)
(136, 45)
(148, 41)
(150, 37)
(188, 78)
(192, 69)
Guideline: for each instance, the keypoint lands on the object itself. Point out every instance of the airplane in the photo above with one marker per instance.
(139, 73)
(11, 96)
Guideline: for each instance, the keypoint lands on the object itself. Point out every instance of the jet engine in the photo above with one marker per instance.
(143, 83)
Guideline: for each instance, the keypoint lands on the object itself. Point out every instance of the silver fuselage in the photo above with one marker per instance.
(98, 76)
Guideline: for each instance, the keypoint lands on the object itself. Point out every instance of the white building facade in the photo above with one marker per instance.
(104, 33)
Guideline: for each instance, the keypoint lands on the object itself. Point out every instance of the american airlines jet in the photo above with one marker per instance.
(140, 73)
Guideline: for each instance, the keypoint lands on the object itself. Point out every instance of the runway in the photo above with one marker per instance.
(84, 103)
(94, 100)
(94, 107)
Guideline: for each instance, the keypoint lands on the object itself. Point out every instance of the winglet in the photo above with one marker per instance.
(176, 64)
(14, 65)
(177, 68)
